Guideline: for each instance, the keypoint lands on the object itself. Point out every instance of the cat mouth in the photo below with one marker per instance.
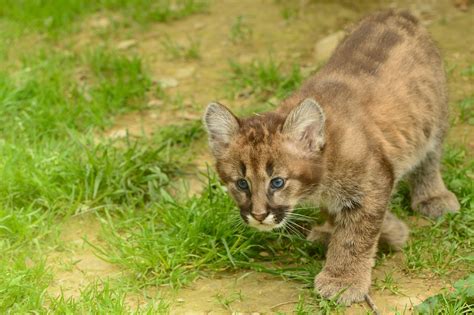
(266, 225)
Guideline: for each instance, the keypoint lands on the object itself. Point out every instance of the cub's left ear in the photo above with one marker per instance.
(221, 126)
(305, 124)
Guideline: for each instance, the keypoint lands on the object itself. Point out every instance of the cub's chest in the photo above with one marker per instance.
(338, 197)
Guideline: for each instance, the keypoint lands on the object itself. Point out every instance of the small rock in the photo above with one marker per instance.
(199, 25)
(325, 47)
(264, 254)
(180, 300)
(121, 133)
(190, 116)
(101, 22)
(155, 103)
(185, 72)
(126, 44)
(168, 83)
(273, 101)
(295, 55)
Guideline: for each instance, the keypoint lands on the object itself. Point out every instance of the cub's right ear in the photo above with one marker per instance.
(221, 126)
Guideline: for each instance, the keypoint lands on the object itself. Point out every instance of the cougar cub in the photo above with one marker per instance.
(375, 113)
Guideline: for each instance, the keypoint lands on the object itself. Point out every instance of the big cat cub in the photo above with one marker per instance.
(377, 112)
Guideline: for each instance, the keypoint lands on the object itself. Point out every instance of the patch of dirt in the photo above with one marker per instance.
(144, 123)
(242, 292)
(74, 264)
(462, 134)
(255, 293)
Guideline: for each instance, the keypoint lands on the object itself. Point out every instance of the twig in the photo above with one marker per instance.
(371, 304)
(284, 303)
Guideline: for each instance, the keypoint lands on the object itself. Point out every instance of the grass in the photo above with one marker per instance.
(59, 16)
(263, 79)
(204, 234)
(48, 96)
(55, 101)
(459, 300)
(466, 110)
(23, 284)
(240, 30)
(102, 298)
(387, 283)
(175, 51)
(454, 232)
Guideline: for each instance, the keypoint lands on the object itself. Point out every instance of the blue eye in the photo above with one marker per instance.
(277, 183)
(242, 184)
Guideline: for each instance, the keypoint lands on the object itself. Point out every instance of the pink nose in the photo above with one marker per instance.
(260, 216)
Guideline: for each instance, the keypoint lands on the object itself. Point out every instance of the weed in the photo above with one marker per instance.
(23, 285)
(177, 51)
(459, 301)
(101, 298)
(317, 305)
(468, 71)
(264, 79)
(227, 300)
(240, 30)
(289, 13)
(466, 110)
(387, 283)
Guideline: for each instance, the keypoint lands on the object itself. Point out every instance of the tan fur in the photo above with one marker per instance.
(375, 113)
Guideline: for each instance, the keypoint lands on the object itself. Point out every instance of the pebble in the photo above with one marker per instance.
(126, 44)
(183, 73)
(101, 22)
(168, 82)
(155, 103)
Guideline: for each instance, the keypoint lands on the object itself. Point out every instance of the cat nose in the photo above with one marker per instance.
(260, 216)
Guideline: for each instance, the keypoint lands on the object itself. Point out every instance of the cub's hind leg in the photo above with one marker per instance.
(394, 232)
(321, 233)
(429, 195)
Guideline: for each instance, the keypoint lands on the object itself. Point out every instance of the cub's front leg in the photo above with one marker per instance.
(351, 250)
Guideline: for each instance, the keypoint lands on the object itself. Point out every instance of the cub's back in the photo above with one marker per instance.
(387, 77)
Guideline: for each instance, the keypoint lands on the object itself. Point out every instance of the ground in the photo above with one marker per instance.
(108, 199)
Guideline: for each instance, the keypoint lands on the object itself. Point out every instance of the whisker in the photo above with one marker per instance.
(299, 214)
(299, 218)
(305, 208)
(294, 228)
(299, 226)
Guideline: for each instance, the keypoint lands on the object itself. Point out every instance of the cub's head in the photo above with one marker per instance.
(268, 162)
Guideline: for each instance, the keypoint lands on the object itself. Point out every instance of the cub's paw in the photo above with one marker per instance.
(437, 206)
(348, 290)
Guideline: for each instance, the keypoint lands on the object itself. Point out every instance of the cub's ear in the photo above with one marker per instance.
(221, 127)
(305, 124)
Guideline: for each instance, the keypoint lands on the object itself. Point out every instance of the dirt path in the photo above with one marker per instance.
(74, 264)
